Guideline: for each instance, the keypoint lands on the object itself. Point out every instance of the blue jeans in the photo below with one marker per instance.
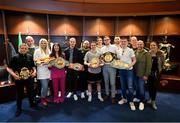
(136, 94)
(109, 74)
(126, 79)
(140, 88)
(44, 87)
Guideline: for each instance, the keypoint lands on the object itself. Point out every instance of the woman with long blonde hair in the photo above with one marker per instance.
(43, 73)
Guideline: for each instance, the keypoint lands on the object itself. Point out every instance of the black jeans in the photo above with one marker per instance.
(20, 84)
(72, 80)
(83, 80)
(152, 84)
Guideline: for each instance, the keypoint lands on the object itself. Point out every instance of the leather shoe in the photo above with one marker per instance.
(18, 112)
(106, 97)
(113, 100)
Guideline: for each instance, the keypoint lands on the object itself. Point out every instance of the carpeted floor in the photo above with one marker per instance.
(83, 111)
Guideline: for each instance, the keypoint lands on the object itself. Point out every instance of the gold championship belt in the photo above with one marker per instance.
(24, 74)
(76, 66)
(119, 64)
(59, 63)
(94, 63)
(45, 60)
(108, 57)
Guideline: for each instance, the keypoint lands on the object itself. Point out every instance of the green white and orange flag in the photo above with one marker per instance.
(19, 39)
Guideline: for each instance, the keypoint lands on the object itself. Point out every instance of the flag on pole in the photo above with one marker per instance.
(19, 39)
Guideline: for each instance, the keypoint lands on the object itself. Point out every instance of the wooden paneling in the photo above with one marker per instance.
(75, 26)
(116, 1)
(57, 25)
(64, 25)
(160, 26)
(99, 26)
(168, 25)
(92, 26)
(1, 25)
(140, 26)
(107, 26)
(27, 24)
(92, 8)
(174, 26)
(124, 27)
(136, 26)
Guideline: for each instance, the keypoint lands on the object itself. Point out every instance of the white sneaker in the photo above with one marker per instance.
(141, 106)
(136, 100)
(100, 97)
(75, 97)
(69, 95)
(132, 106)
(122, 101)
(87, 92)
(82, 95)
(59, 94)
(89, 98)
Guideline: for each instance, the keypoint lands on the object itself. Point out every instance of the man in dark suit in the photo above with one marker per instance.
(73, 55)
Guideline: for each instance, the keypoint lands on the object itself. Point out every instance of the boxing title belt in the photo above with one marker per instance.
(24, 74)
(119, 64)
(76, 66)
(94, 63)
(59, 63)
(108, 57)
(45, 60)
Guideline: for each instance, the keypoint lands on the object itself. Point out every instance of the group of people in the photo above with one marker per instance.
(88, 65)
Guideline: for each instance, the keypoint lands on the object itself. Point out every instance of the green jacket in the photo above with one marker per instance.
(143, 63)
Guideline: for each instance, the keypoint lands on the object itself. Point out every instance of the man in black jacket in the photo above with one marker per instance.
(73, 55)
(23, 71)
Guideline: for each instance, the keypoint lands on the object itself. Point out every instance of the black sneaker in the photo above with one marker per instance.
(106, 97)
(18, 112)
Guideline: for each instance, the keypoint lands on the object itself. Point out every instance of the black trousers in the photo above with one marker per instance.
(83, 80)
(152, 85)
(20, 84)
(72, 80)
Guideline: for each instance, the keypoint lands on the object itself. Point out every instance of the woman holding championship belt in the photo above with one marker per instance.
(58, 75)
(41, 58)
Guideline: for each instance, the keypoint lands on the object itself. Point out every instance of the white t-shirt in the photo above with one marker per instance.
(42, 70)
(126, 55)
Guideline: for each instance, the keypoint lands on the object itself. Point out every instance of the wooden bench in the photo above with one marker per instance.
(170, 83)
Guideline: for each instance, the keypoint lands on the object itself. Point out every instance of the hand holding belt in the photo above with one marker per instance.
(119, 64)
(108, 57)
(24, 74)
(76, 66)
(59, 63)
(95, 62)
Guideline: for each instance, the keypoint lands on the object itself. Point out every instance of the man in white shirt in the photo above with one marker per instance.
(109, 52)
(126, 75)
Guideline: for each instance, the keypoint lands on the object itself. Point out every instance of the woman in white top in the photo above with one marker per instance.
(43, 73)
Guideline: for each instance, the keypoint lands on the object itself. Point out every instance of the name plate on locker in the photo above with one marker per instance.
(119, 64)
(94, 63)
